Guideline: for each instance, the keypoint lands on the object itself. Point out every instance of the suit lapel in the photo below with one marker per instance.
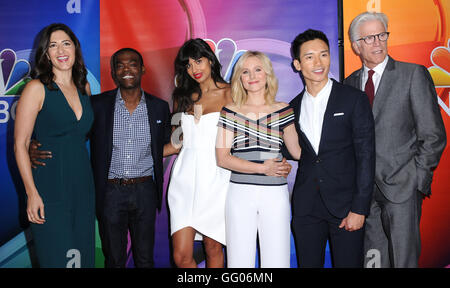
(357, 80)
(109, 122)
(384, 88)
(151, 114)
(297, 106)
(328, 116)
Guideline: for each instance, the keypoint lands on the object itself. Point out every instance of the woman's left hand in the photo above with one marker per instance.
(35, 209)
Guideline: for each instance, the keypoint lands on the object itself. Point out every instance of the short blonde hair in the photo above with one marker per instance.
(238, 92)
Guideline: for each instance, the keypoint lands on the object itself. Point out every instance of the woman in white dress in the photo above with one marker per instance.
(197, 187)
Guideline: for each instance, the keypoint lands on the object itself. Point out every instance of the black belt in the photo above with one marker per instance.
(129, 181)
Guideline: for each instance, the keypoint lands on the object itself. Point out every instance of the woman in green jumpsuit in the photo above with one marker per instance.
(56, 107)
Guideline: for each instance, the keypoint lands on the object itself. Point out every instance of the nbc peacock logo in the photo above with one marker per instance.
(14, 71)
(440, 72)
(228, 54)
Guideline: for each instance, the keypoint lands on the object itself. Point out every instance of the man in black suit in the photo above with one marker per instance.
(334, 181)
(127, 139)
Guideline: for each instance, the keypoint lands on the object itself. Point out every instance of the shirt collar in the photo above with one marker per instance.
(119, 98)
(324, 92)
(379, 69)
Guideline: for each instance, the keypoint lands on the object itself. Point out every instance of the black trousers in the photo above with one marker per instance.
(129, 207)
(311, 233)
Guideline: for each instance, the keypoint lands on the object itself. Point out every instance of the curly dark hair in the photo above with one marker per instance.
(185, 85)
(43, 67)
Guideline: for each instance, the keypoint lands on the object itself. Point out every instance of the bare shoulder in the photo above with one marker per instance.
(281, 105)
(223, 90)
(221, 85)
(88, 89)
(33, 94)
(231, 106)
(34, 89)
(35, 84)
(227, 95)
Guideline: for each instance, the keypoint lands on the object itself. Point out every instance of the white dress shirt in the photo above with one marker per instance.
(312, 112)
(379, 69)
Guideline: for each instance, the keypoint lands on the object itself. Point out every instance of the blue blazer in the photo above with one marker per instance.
(343, 170)
(101, 138)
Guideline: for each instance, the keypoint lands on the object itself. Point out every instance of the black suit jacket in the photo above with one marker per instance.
(343, 170)
(101, 139)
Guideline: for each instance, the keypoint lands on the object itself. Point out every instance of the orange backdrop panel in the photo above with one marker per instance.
(417, 28)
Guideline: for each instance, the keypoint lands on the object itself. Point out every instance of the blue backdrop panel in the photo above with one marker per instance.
(20, 23)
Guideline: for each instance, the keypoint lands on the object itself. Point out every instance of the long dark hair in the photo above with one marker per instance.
(185, 85)
(43, 66)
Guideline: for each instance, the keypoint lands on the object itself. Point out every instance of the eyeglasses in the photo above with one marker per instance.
(383, 36)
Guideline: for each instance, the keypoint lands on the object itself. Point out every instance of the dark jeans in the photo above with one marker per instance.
(312, 232)
(129, 207)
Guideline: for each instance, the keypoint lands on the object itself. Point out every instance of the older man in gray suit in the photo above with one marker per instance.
(409, 141)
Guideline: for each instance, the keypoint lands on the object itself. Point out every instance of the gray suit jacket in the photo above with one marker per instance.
(409, 131)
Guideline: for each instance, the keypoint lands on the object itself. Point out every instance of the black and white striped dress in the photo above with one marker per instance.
(257, 141)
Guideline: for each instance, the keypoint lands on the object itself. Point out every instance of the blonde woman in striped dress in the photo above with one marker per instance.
(250, 136)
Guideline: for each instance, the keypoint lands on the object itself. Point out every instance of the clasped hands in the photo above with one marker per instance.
(274, 167)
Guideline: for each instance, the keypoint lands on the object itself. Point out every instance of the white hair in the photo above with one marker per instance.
(353, 31)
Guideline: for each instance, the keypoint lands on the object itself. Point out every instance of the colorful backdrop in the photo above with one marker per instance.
(420, 33)
(157, 29)
(20, 22)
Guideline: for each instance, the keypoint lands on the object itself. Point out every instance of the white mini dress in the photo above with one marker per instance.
(198, 187)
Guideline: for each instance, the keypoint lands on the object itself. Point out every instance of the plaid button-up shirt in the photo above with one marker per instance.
(132, 154)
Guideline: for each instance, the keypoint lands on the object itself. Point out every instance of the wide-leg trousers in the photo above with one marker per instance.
(263, 211)
(393, 232)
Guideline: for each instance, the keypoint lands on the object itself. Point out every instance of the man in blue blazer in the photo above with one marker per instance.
(127, 139)
(335, 175)
(128, 135)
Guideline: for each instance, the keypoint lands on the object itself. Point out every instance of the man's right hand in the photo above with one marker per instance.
(36, 154)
